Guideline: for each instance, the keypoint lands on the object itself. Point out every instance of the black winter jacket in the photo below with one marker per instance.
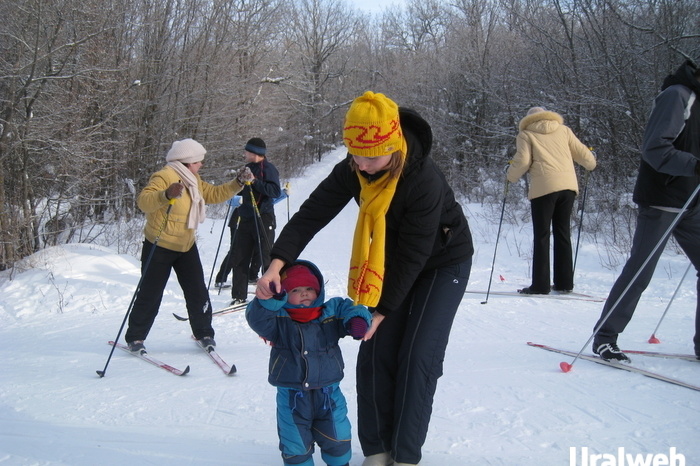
(426, 228)
(265, 188)
(671, 146)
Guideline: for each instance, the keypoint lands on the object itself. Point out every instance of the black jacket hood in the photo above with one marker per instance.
(685, 75)
(417, 129)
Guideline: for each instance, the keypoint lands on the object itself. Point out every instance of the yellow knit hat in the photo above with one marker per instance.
(372, 126)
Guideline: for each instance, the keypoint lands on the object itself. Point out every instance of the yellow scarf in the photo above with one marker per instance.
(366, 275)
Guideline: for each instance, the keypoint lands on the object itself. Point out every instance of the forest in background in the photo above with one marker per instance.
(94, 92)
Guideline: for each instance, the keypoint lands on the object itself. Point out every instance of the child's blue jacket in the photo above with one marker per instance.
(304, 356)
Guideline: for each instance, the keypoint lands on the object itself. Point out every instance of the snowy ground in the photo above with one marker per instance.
(500, 402)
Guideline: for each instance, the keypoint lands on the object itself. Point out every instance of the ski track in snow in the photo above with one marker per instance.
(499, 402)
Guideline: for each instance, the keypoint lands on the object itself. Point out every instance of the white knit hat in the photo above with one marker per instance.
(186, 151)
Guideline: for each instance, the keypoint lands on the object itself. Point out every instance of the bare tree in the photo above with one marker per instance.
(41, 44)
(92, 93)
(317, 41)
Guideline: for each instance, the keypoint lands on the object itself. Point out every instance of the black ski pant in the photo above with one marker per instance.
(190, 275)
(553, 210)
(398, 368)
(652, 223)
(251, 240)
(227, 263)
(227, 266)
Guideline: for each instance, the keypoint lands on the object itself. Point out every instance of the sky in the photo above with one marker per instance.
(500, 402)
(375, 6)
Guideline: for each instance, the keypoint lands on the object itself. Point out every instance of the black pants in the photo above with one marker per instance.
(398, 369)
(190, 275)
(651, 225)
(552, 210)
(247, 246)
(227, 263)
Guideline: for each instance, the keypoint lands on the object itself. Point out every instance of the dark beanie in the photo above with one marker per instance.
(256, 146)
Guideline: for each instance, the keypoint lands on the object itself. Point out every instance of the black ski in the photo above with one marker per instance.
(553, 295)
(616, 365)
(222, 287)
(220, 312)
(143, 355)
(228, 370)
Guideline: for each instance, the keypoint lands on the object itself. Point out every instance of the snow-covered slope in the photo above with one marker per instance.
(500, 402)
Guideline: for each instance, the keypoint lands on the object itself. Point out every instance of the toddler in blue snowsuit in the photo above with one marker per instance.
(306, 364)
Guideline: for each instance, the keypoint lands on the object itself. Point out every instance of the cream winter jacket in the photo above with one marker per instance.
(153, 202)
(547, 150)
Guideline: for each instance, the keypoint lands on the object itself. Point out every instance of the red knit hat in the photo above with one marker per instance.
(299, 275)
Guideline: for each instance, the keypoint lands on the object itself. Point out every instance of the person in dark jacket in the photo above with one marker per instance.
(306, 364)
(256, 207)
(410, 262)
(255, 262)
(669, 174)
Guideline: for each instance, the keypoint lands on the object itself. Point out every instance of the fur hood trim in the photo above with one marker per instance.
(541, 122)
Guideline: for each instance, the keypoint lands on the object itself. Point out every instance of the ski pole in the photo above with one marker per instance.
(566, 367)
(652, 338)
(498, 234)
(138, 286)
(286, 191)
(580, 225)
(258, 227)
(229, 257)
(218, 246)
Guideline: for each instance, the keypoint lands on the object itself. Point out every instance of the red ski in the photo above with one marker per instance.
(228, 370)
(143, 355)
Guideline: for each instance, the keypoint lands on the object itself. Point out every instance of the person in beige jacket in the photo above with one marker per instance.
(173, 225)
(547, 150)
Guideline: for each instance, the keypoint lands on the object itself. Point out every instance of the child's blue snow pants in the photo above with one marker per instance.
(308, 416)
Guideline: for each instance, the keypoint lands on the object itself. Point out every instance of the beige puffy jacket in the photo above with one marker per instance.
(153, 202)
(547, 150)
